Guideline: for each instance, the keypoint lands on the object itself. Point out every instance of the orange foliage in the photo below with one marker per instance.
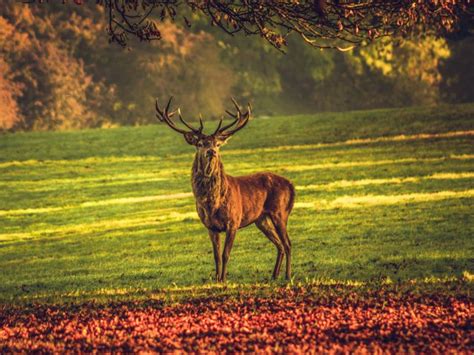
(9, 90)
(288, 322)
(52, 89)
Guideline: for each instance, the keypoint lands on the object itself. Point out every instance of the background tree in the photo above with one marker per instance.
(58, 70)
(54, 89)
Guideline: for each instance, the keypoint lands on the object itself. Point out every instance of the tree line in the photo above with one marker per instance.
(59, 71)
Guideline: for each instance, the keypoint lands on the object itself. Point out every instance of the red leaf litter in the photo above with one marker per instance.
(288, 322)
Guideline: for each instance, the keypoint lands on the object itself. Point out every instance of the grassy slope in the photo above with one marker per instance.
(75, 217)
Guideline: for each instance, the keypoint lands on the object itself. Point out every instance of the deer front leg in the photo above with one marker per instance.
(229, 241)
(216, 246)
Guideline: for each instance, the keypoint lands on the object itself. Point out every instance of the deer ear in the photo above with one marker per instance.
(190, 138)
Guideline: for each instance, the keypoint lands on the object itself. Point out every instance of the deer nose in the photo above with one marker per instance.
(211, 153)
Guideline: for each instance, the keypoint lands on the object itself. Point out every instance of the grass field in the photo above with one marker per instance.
(384, 195)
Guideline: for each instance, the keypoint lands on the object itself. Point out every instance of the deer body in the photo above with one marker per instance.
(225, 203)
(239, 201)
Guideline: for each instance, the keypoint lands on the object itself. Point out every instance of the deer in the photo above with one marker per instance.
(226, 203)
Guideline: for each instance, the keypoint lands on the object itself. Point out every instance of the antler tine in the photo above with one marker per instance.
(188, 125)
(201, 125)
(231, 114)
(239, 113)
(159, 113)
(171, 114)
(168, 105)
(240, 119)
(218, 126)
(230, 124)
(241, 123)
(165, 117)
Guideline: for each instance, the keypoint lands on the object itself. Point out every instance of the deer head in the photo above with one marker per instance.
(207, 146)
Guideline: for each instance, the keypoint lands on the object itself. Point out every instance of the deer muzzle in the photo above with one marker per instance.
(211, 153)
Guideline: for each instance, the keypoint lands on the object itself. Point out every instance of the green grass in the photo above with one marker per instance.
(94, 212)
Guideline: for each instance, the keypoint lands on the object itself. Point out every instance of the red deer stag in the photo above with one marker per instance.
(225, 203)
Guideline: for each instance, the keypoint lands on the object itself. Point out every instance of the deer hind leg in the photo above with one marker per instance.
(229, 242)
(216, 246)
(280, 224)
(265, 224)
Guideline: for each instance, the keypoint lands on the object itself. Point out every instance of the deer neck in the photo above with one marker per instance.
(209, 182)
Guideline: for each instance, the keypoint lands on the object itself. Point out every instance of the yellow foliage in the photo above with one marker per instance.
(414, 63)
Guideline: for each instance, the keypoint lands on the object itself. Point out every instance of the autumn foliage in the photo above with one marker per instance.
(9, 90)
(59, 71)
(289, 321)
(320, 23)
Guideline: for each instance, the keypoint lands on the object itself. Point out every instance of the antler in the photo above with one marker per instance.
(165, 117)
(240, 120)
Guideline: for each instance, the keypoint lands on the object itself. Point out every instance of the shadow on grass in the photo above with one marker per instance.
(317, 288)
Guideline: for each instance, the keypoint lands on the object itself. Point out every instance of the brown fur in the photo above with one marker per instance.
(226, 203)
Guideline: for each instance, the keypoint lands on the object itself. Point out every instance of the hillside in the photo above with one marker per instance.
(382, 195)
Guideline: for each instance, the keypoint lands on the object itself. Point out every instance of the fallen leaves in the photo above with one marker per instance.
(289, 321)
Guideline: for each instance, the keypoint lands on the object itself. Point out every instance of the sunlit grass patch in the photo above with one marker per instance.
(358, 141)
(89, 160)
(393, 180)
(117, 201)
(50, 184)
(379, 199)
(368, 163)
(102, 225)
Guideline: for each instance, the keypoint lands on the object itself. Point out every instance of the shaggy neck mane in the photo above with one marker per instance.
(209, 181)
